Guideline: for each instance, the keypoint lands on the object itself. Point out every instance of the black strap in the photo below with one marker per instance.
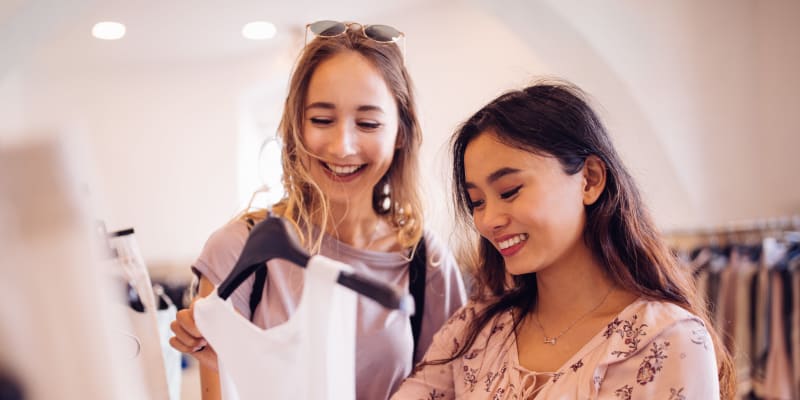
(260, 280)
(416, 285)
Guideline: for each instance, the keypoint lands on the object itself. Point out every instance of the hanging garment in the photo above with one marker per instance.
(761, 319)
(145, 323)
(746, 269)
(57, 331)
(132, 263)
(378, 330)
(311, 356)
(796, 326)
(777, 379)
(172, 358)
(148, 359)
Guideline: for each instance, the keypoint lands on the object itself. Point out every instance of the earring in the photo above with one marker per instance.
(381, 198)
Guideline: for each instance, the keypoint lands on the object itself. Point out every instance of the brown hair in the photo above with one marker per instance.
(553, 118)
(304, 202)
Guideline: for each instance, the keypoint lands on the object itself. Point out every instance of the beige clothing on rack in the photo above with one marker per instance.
(743, 332)
(777, 381)
(795, 268)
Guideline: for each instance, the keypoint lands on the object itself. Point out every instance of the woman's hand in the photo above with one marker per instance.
(188, 338)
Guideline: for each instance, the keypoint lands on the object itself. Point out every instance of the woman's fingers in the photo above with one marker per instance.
(188, 338)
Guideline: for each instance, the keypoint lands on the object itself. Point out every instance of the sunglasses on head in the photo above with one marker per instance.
(377, 33)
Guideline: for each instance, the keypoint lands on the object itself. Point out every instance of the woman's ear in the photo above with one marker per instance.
(399, 140)
(594, 179)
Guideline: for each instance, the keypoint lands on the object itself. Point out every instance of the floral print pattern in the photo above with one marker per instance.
(435, 395)
(676, 394)
(490, 377)
(470, 377)
(629, 332)
(700, 337)
(650, 350)
(624, 392)
(652, 363)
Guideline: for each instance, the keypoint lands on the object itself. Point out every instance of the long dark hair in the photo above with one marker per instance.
(553, 118)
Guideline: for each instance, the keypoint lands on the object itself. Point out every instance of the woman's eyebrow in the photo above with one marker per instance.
(370, 108)
(494, 176)
(330, 106)
(321, 104)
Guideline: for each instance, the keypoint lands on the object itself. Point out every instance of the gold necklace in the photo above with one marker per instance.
(554, 339)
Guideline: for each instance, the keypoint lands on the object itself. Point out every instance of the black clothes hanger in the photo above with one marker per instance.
(274, 237)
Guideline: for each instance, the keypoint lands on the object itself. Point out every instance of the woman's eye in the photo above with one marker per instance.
(321, 120)
(475, 204)
(509, 194)
(369, 125)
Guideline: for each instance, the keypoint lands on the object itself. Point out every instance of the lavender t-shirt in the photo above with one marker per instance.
(383, 339)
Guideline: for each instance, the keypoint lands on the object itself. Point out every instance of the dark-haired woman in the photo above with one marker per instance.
(578, 297)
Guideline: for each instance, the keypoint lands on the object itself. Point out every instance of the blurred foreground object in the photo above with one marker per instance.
(58, 337)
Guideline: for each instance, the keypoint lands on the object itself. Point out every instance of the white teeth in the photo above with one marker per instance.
(342, 169)
(512, 241)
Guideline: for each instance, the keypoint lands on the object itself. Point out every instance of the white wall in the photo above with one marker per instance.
(460, 58)
(164, 143)
(701, 99)
(686, 86)
(12, 109)
(777, 103)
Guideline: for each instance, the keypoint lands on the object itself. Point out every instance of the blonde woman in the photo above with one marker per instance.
(351, 140)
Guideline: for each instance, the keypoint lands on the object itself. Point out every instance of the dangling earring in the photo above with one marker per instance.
(381, 198)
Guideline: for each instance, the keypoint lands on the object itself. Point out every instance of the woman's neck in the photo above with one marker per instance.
(572, 286)
(358, 227)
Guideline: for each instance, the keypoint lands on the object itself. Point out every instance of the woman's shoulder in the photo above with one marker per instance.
(222, 249)
(657, 313)
(645, 321)
(232, 234)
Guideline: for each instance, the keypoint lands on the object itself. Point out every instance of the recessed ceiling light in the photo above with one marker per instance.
(108, 30)
(259, 30)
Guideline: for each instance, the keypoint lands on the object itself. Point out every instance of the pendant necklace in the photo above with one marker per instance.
(552, 340)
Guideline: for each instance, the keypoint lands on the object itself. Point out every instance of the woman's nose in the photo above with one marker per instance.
(343, 143)
(493, 217)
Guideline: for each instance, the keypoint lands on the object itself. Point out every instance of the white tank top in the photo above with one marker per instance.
(311, 356)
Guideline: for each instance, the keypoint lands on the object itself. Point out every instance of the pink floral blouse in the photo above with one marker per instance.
(650, 350)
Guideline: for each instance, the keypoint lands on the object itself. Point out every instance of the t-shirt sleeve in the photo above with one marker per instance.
(679, 363)
(219, 255)
(444, 292)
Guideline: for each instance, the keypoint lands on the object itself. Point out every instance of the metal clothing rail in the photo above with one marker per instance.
(736, 232)
(772, 224)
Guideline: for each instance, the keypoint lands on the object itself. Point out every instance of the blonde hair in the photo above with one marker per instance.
(304, 203)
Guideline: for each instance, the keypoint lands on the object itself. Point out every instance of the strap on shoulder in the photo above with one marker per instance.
(417, 279)
(260, 280)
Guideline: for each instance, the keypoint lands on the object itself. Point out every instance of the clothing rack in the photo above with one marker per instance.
(741, 231)
(749, 274)
(786, 222)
